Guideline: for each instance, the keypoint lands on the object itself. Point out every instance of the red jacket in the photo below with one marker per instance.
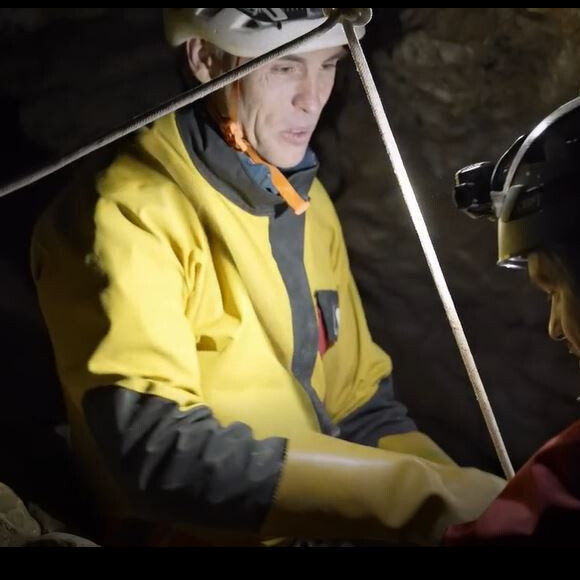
(539, 506)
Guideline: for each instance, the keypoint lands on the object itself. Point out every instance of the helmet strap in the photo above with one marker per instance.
(233, 134)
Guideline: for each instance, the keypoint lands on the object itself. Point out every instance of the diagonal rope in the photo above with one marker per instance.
(427, 245)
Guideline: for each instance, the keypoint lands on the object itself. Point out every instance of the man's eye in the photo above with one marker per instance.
(284, 69)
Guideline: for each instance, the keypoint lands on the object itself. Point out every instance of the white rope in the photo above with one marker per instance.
(432, 261)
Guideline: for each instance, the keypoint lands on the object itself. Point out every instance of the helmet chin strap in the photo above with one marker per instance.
(233, 134)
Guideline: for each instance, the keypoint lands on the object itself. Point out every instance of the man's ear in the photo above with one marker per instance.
(201, 59)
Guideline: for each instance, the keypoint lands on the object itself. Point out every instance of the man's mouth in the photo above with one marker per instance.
(297, 135)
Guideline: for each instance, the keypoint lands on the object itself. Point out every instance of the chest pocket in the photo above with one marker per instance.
(329, 308)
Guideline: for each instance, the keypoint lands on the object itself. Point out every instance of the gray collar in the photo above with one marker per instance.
(222, 167)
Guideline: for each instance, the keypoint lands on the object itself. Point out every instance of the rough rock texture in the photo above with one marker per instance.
(16, 523)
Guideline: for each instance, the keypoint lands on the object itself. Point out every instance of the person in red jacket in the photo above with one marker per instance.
(534, 193)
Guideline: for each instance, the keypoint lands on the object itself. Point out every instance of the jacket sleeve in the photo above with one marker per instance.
(116, 280)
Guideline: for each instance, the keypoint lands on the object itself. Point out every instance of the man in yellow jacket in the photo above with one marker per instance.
(216, 363)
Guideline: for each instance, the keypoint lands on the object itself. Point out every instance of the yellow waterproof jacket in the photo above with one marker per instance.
(185, 303)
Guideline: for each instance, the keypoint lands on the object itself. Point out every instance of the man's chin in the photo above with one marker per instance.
(285, 161)
(283, 156)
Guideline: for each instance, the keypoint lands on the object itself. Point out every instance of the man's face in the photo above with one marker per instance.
(280, 104)
(564, 323)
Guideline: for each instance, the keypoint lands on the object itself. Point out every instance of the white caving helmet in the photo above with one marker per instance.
(251, 32)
